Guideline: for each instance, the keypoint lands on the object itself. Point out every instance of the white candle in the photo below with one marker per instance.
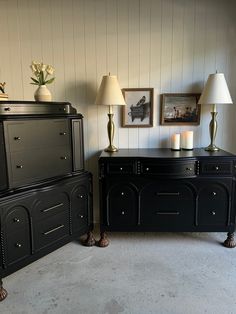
(175, 142)
(187, 140)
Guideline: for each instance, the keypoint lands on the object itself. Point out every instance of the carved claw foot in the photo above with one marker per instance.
(230, 242)
(90, 240)
(3, 292)
(103, 242)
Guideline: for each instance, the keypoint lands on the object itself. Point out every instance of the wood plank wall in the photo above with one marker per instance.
(170, 45)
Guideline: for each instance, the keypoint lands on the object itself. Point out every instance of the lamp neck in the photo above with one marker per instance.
(213, 108)
(110, 109)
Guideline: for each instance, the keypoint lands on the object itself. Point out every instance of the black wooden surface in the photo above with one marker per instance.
(163, 190)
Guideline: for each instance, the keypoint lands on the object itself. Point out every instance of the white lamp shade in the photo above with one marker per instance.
(109, 92)
(215, 91)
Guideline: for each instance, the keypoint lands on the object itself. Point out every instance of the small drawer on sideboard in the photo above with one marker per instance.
(216, 167)
(120, 168)
(184, 169)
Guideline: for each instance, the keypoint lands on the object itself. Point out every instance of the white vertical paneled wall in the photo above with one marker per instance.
(170, 45)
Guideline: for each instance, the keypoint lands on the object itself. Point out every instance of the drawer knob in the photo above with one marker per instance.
(62, 133)
(147, 169)
(216, 168)
(81, 216)
(7, 109)
(80, 196)
(17, 138)
(16, 220)
(19, 166)
(18, 245)
(63, 157)
(213, 213)
(189, 169)
(214, 193)
(121, 168)
(122, 193)
(123, 212)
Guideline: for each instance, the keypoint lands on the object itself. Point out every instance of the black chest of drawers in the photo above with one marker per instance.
(45, 192)
(163, 190)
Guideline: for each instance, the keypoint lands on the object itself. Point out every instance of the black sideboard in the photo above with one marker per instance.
(164, 190)
(45, 192)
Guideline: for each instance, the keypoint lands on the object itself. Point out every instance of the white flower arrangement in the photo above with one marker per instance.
(41, 71)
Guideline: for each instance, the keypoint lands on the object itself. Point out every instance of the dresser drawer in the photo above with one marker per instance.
(17, 219)
(216, 167)
(167, 204)
(51, 230)
(184, 169)
(31, 166)
(17, 246)
(50, 204)
(24, 135)
(120, 168)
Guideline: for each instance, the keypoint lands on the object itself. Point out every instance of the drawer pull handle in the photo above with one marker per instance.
(168, 193)
(123, 212)
(53, 230)
(18, 245)
(214, 193)
(121, 168)
(168, 213)
(216, 168)
(122, 193)
(189, 169)
(17, 138)
(16, 220)
(19, 166)
(7, 109)
(81, 216)
(213, 213)
(147, 169)
(63, 157)
(52, 207)
(62, 133)
(80, 196)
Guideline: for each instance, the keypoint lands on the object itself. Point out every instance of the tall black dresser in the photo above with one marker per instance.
(45, 193)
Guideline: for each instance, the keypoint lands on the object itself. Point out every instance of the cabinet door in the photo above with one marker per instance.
(16, 234)
(167, 206)
(80, 207)
(213, 204)
(122, 205)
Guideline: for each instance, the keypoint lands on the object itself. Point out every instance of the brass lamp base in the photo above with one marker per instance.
(212, 148)
(110, 130)
(213, 129)
(111, 149)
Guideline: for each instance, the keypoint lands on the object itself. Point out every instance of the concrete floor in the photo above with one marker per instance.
(138, 273)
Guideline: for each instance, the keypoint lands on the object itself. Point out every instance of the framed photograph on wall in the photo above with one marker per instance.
(138, 111)
(180, 109)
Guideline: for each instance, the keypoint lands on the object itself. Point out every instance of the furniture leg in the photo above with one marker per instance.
(90, 240)
(103, 242)
(3, 292)
(230, 242)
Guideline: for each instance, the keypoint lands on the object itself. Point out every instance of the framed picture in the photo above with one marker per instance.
(138, 111)
(180, 109)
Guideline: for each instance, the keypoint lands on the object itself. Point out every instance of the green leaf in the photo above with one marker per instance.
(50, 81)
(41, 78)
(36, 81)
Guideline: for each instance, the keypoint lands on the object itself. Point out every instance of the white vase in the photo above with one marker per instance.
(42, 93)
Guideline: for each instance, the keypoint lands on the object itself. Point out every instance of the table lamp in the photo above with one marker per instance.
(215, 92)
(109, 94)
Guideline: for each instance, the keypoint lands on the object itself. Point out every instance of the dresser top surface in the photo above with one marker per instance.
(165, 153)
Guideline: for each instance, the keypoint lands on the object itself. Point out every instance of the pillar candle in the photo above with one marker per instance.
(175, 142)
(187, 140)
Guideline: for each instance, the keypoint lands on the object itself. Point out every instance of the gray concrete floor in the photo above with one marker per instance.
(169, 273)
